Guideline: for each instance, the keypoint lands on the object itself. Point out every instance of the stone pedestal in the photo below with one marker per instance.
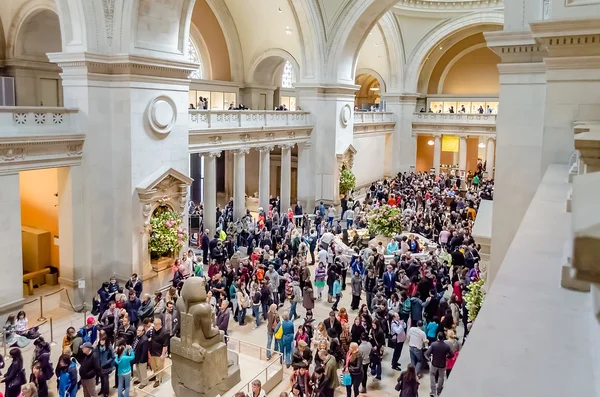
(202, 366)
(199, 371)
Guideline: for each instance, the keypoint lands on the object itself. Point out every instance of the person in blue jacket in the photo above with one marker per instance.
(337, 291)
(132, 306)
(106, 356)
(123, 361)
(66, 375)
(287, 339)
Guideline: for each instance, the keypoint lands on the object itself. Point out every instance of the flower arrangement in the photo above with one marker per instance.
(385, 220)
(474, 298)
(347, 180)
(167, 234)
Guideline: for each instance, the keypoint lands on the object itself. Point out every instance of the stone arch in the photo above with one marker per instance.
(265, 68)
(2, 42)
(234, 46)
(42, 10)
(457, 58)
(374, 73)
(198, 40)
(348, 35)
(312, 38)
(431, 39)
(395, 49)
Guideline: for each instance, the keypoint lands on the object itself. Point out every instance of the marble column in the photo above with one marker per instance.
(437, 153)
(286, 177)
(72, 237)
(462, 153)
(11, 284)
(306, 195)
(210, 191)
(403, 140)
(264, 176)
(239, 183)
(196, 175)
(489, 157)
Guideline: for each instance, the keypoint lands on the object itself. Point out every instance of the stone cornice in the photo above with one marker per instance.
(121, 65)
(374, 129)
(565, 28)
(22, 153)
(29, 64)
(229, 139)
(325, 88)
(459, 130)
(502, 38)
(447, 6)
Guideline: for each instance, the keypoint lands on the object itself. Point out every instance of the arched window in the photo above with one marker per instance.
(287, 76)
(195, 58)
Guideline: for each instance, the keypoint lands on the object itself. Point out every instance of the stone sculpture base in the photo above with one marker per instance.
(201, 371)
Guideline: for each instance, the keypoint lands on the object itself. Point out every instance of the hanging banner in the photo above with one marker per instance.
(450, 143)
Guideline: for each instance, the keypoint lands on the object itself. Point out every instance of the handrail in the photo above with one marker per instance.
(249, 111)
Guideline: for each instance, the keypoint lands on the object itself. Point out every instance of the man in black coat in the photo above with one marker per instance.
(140, 349)
(89, 370)
(205, 242)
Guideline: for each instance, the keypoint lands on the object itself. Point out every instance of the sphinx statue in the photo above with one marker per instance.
(202, 365)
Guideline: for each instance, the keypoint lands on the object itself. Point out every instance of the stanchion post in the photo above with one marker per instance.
(42, 318)
(51, 333)
(84, 313)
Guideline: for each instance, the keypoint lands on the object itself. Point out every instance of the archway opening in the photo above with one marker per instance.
(272, 85)
(368, 96)
(39, 85)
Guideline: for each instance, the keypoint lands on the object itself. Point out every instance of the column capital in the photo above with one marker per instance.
(264, 148)
(213, 154)
(287, 145)
(491, 138)
(437, 136)
(242, 150)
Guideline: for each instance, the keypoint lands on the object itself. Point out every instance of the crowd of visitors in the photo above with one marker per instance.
(271, 271)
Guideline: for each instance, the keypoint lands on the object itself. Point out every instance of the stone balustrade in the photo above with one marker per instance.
(37, 121)
(39, 137)
(249, 119)
(461, 124)
(455, 118)
(373, 117)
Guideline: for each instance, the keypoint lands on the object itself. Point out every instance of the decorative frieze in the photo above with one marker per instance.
(22, 153)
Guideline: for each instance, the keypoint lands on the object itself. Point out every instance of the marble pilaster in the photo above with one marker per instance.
(306, 194)
(210, 191)
(264, 176)
(239, 183)
(404, 155)
(489, 157)
(437, 153)
(11, 257)
(286, 177)
(462, 153)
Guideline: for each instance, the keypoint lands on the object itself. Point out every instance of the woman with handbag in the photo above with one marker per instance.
(408, 385)
(454, 347)
(15, 376)
(353, 372)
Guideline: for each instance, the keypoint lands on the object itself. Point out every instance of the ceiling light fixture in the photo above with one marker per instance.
(430, 142)
(441, 47)
(374, 88)
(481, 145)
(288, 30)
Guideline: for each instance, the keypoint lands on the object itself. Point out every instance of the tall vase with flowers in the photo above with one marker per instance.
(167, 237)
(385, 220)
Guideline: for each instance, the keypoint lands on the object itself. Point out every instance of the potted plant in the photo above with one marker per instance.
(385, 220)
(347, 180)
(474, 298)
(167, 237)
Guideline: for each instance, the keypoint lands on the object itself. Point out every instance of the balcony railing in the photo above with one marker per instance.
(373, 117)
(218, 119)
(37, 121)
(455, 118)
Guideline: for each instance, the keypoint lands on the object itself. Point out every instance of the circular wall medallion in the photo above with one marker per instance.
(345, 115)
(162, 114)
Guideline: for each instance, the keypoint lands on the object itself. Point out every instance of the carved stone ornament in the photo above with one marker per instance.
(12, 154)
(245, 137)
(166, 186)
(162, 114)
(215, 140)
(270, 136)
(345, 115)
(75, 150)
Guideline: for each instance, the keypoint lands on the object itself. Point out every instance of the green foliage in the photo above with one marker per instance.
(385, 220)
(347, 180)
(474, 298)
(167, 235)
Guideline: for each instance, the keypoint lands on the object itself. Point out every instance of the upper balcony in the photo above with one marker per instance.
(454, 123)
(37, 121)
(373, 117)
(246, 119)
(39, 137)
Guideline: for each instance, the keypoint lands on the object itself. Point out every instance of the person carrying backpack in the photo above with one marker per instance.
(405, 307)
